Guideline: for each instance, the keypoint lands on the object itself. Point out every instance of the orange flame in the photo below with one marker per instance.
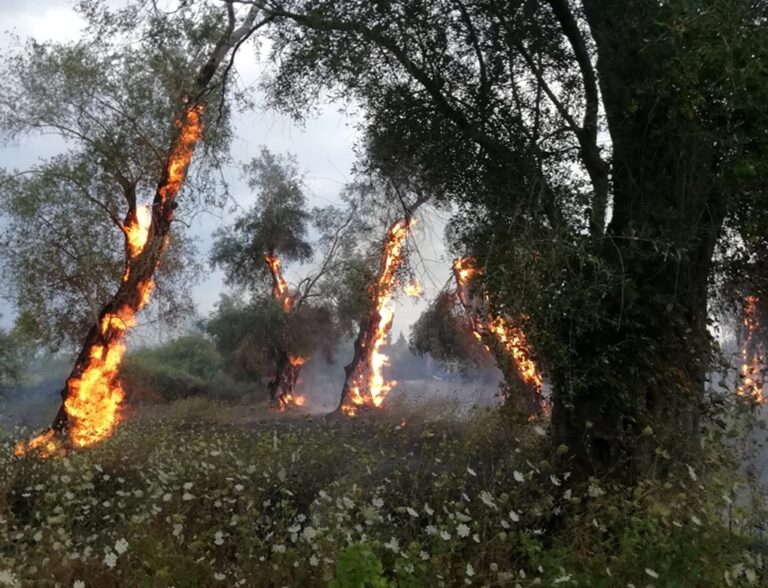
(279, 288)
(751, 385)
(413, 289)
(512, 339)
(368, 387)
(93, 398)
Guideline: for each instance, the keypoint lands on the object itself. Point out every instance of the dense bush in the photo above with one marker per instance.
(185, 367)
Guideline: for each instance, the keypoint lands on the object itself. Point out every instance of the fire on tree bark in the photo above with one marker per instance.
(506, 342)
(92, 394)
(282, 386)
(364, 385)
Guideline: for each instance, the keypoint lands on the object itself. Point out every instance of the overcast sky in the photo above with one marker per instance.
(323, 147)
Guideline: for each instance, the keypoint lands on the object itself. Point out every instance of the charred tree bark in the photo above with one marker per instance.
(117, 315)
(282, 386)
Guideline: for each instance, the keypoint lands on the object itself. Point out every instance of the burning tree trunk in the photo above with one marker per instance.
(752, 357)
(364, 384)
(506, 342)
(92, 395)
(282, 387)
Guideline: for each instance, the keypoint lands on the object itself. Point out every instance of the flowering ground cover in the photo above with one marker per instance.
(390, 501)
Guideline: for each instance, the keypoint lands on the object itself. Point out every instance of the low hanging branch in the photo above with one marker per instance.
(505, 341)
(92, 395)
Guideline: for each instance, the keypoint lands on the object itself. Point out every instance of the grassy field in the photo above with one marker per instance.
(198, 494)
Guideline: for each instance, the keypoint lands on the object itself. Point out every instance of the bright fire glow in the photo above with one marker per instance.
(367, 386)
(752, 365)
(279, 286)
(511, 338)
(94, 396)
(413, 289)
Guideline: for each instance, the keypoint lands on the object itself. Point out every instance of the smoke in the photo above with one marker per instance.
(31, 406)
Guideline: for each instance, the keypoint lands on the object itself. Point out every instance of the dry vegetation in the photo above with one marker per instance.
(190, 499)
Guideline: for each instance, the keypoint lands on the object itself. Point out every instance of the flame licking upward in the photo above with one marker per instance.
(751, 368)
(367, 385)
(279, 286)
(512, 339)
(94, 396)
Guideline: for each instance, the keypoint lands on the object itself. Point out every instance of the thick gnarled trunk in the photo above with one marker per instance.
(633, 385)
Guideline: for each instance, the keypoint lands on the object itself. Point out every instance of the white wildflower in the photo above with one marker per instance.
(187, 497)
(471, 472)
(539, 430)
(411, 512)
(219, 577)
(595, 491)
(110, 560)
(514, 516)
(278, 548)
(692, 473)
(78, 584)
(309, 533)
(470, 571)
(218, 538)
(487, 499)
(9, 579)
(561, 579)
(554, 480)
(423, 555)
(518, 476)
(313, 560)
(428, 510)
(462, 530)
(121, 546)
(652, 573)
(378, 502)
(393, 545)
(445, 535)
(696, 520)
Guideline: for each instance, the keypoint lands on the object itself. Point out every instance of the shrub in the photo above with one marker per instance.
(185, 367)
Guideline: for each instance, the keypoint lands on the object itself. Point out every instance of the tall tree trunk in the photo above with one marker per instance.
(634, 381)
(96, 366)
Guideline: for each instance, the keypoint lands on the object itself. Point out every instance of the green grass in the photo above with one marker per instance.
(440, 501)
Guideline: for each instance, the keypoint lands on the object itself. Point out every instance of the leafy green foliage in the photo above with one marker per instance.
(112, 97)
(251, 335)
(276, 225)
(185, 367)
(444, 332)
(358, 567)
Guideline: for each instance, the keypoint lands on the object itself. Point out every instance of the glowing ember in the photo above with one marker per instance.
(751, 368)
(412, 289)
(94, 395)
(512, 339)
(367, 385)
